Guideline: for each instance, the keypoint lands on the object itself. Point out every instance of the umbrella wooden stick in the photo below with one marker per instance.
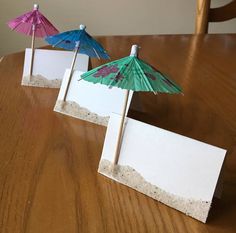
(32, 51)
(71, 72)
(121, 129)
(134, 52)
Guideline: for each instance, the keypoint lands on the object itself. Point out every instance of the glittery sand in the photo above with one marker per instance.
(126, 175)
(71, 108)
(40, 81)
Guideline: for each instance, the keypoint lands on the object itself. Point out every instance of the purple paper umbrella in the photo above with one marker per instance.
(34, 24)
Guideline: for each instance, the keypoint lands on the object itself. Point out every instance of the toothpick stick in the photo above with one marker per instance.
(32, 51)
(71, 72)
(121, 129)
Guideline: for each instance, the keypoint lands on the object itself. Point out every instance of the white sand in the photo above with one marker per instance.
(40, 81)
(197, 209)
(71, 108)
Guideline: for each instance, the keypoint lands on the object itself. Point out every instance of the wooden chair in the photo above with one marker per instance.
(205, 14)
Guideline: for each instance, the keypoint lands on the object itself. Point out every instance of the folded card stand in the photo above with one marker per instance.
(49, 67)
(89, 102)
(176, 170)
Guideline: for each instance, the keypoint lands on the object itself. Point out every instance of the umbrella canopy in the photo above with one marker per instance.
(132, 73)
(33, 21)
(70, 40)
(79, 41)
(34, 24)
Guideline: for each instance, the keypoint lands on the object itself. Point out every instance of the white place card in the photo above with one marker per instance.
(88, 101)
(176, 170)
(49, 67)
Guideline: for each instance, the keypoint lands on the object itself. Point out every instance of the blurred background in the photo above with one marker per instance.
(108, 17)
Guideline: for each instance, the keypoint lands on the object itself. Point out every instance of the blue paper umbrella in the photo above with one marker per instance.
(79, 41)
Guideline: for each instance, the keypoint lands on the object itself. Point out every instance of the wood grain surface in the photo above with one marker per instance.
(48, 161)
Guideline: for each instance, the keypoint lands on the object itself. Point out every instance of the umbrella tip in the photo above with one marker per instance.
(134, 50)
(36, 6)
(82, 27)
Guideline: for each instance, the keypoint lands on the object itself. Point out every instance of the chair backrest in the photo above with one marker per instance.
(205, 14)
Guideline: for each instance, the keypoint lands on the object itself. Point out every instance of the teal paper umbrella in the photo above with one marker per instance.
(131, 73)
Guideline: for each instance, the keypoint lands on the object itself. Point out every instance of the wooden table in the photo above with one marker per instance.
(48, 161)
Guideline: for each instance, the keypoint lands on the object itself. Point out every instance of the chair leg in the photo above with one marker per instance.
(202, 14)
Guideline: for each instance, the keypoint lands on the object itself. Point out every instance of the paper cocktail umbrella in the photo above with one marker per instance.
(130, 73)
(34, 24)
(79, 41)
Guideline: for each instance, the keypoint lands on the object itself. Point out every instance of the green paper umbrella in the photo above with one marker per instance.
(131, 73)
